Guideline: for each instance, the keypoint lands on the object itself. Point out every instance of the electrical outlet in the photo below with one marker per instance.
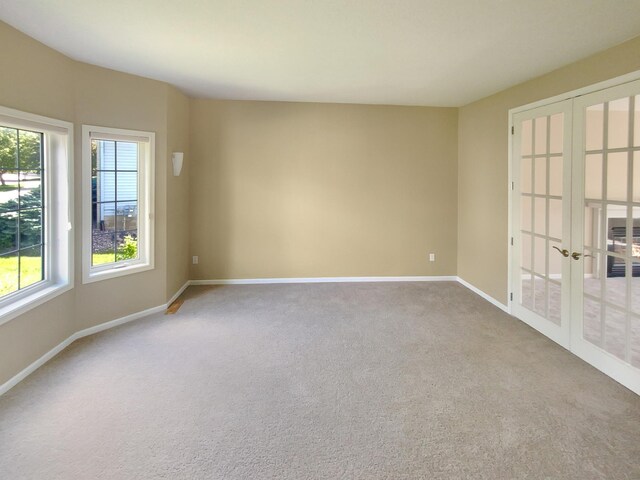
(195, 259)
(432, 257)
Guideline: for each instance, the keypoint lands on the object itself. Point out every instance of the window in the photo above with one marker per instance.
(21, 209)
(118, 188)
(35, 210)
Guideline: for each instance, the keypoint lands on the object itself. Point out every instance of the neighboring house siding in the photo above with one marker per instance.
(125, 178)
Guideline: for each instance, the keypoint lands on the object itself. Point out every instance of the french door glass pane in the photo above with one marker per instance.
(526, 145)
(636, 177)
(592, 320)
(540, 216)
(526, 291)
(525, 251)
(555, 175)
(594, 127)
(617, 176)
(634, 331)
(555, 218)
(540, 186)
(555, 302)
(540, 135)
(541, 210)
(593, 176)
(633, 233)
(612, 230)
(526, 175)
(635, 288)
(540, 256)
(540, 296)
(615, 282)
(618, 129)
(592, 277)
(556, 133)
(525, 213)
(636, 123)
(615, 331)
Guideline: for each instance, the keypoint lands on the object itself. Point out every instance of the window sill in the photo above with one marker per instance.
(14, 308)
(115, 272)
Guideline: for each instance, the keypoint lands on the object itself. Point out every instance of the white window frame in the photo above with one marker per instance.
(58, 212)
(146, 162)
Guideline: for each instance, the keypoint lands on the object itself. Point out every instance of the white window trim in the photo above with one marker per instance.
(145, 260)
(58, 217)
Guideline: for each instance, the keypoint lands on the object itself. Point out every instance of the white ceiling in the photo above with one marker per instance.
(403, 52)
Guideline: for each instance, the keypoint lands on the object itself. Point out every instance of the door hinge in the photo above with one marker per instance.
(513, 129)
(512, 241)
(511, 296)
(513, 185)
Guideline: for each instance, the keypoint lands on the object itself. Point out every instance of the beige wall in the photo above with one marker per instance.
(113, 99)
(483, 162)
(285, 189)
(177, 193)
(44, 82)
(40, 80)
(314, 190)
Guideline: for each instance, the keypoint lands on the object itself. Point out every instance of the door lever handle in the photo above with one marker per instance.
(576, 255)
(564, 252)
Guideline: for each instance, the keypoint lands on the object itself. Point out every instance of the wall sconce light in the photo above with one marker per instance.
(177, 159)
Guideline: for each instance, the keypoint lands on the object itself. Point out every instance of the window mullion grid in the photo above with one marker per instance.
(604, 230)
(18, 246)
(119, 215)
(532, 186)
(43, 204)
(115, 202)
(629, 233)
(532, 254)
(547, 210)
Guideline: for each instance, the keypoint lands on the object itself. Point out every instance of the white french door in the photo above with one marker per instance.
(541, 207)
(576, 226)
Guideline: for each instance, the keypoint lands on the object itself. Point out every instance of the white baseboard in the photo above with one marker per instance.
(118, 321)
(488, 298)
(258, 281)
(179, 292)
(13, 381)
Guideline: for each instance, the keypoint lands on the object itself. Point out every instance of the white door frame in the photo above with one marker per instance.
(629, 77)
(558, 333)
(608, 364)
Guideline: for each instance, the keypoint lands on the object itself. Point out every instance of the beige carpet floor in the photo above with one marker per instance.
(320, 381)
